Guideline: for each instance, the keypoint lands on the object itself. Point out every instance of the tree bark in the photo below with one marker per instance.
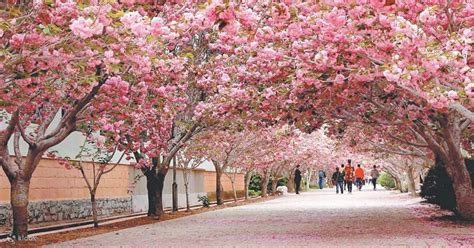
(446, 143)
(274, 185)
(398, 183)
(291, 182)
(186, 189)
(248, 176)
(308, 179)
(155, 182)
(219, 188)
(462, 185)
(151, 186)
(19, 200)
(94, 210)
(411, 181)
(264, 183)
(234, 191)
(160, 179)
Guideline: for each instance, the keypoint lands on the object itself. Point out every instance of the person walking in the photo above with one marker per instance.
(342, 171)
(349, 175)
(374, 173)
(338, 180)
(297, 179)
(322, 176)
(359, 175)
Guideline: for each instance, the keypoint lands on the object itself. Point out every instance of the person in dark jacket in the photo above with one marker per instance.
(342, 171)
(338, 179)
(298, 179)
(322, 177)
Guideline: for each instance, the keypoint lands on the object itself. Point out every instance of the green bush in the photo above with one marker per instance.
(387, 181)
(437, 186)
(205, 200)
(253, 193)
(255, 183)
(283, 181)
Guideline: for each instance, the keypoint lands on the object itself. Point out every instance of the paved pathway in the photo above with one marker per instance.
(313, 219)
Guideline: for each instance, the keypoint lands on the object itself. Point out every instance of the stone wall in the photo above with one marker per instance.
(57, 210)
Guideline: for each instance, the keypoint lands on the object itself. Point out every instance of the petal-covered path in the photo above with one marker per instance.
(319, 218)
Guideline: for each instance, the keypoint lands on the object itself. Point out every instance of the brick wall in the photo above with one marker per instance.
(51, 181)
(210, 182)
(57, 193)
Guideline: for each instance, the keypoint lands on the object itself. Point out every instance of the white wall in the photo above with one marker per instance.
(140, 196)
(70, 147)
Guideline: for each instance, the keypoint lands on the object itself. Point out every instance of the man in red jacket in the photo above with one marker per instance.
(359, 174)
(349, 175)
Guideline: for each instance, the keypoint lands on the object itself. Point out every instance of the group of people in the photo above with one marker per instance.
(346, 175)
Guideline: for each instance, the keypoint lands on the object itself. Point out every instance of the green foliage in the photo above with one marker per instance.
(253, 193)
(205, 200)
(255, 183)
(387, 181)
(283, 181)
(437, 187)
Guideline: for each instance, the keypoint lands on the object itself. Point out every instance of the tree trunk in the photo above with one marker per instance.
(248, 176)
(462, 185)
(19, 200)
(274, 185)
(447, 145)
(291, 183)
(186, 189)
(411, 181)
(219, 188)
(398, 183)
(151, 186)
(160, 179)
(155, 180)
(308, 180)
(234, 191)
(264, 183)
(94, 210)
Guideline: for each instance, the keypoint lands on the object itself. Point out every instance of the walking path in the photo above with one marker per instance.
(313, 219)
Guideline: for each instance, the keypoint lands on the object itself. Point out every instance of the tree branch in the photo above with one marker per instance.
(16, 149)
(69, 119)
(6, 134)
(406, 142)
(115, 165)
(44, 126)
(25, 136)
(462, 110)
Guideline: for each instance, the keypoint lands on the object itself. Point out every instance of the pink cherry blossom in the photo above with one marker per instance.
(453, 95)
(470, 90)
(86, 27)
(109, 54)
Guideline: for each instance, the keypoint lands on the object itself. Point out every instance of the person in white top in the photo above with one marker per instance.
(374, 173)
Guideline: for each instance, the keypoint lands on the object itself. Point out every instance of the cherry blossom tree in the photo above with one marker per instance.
(224, 149)
(65, 65)
(310, 63)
